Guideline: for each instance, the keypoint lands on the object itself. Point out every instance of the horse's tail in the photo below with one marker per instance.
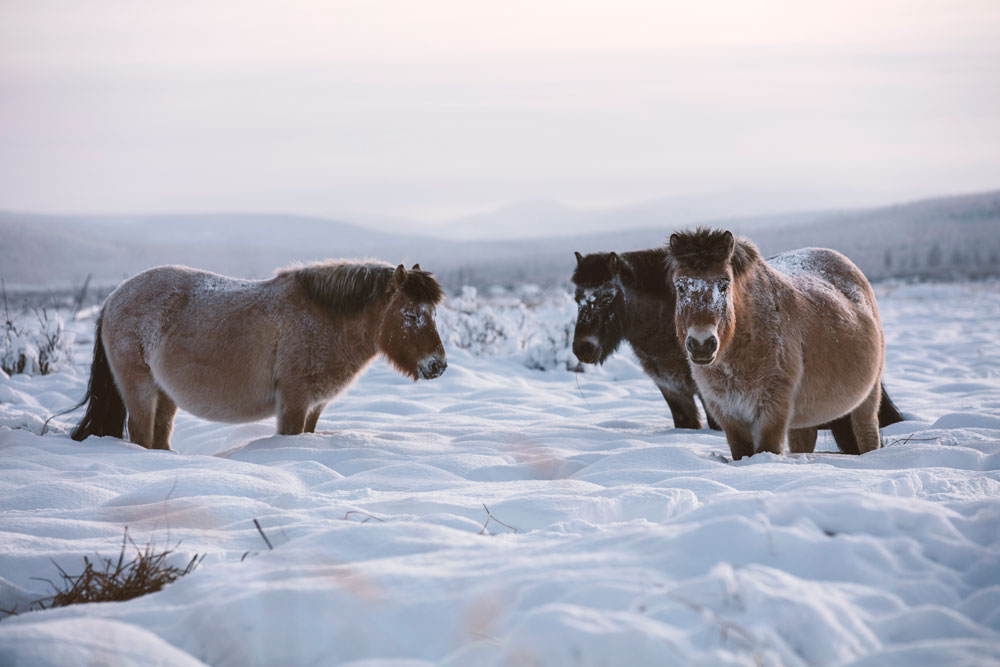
(843, 432)
(888, 413)
(106, 410)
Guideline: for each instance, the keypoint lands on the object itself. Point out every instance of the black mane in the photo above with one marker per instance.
(592, 270)
(647, 270)
(640, 269)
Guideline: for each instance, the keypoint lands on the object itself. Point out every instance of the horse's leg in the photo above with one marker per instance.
(772, 432)
(802, 440)
(141, 406)
(313, 417)
(739, 438)
(163, 424)
(139, 393)
(292, 414)
(864, 421)
(771, 426)
(712, 424)
(682, 408)
(843, 434)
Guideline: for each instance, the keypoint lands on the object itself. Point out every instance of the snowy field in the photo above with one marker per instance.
(635, 543)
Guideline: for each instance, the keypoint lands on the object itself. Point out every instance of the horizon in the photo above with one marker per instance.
(394, 116)
(433, 231)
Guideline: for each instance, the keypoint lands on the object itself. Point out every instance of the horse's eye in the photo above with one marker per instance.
(680, 288)
(723, 288)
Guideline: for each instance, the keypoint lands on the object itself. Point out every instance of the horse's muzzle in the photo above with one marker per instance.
(586, 351)
(431, 367)
(701, 352)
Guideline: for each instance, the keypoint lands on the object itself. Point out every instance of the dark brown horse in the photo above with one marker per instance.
(624, 296)
(777, 347)
(239, 350)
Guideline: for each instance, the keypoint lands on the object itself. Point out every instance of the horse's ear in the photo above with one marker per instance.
(729, 243)
(416, 267)
(674, 240)
(614, 264)
(399, 276)
(579, 258)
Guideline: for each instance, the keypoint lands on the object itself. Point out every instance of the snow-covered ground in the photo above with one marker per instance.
(635, 543)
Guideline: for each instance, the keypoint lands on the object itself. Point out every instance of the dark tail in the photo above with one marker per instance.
(843, 433)
(106, 411)
(888, 413)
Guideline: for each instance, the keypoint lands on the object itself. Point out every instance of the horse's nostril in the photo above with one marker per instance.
(702, 348)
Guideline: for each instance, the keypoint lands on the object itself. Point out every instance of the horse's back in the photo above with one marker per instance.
(205, 339)
(163, 298)
(138, 311)
(841, 334)
(828, 279)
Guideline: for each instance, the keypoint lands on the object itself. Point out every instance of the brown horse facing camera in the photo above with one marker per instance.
(235, 350)
(777, 346)
(624, 297)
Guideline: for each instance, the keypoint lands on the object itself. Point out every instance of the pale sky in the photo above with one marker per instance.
(430, 109)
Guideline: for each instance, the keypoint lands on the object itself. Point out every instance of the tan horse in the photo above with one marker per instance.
(777, 346)
(240, 350)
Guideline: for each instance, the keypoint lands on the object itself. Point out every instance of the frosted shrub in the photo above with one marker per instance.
(17, 355)
(476, 325)
(39, 347)
(536, 325)
(54, 347)
(554, 348)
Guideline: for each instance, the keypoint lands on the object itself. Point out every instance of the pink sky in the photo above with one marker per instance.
(424, 110)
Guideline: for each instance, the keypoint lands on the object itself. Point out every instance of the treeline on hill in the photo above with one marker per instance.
(952, 238)
(957, 238)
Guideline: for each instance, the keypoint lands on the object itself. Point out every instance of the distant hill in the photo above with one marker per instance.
(61, 250)
(955, 236)
(536, 219)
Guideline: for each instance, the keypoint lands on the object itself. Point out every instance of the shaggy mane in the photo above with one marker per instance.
(592, 270)
(647, 272)
(704, 249)
(349, 287)
(641, 269)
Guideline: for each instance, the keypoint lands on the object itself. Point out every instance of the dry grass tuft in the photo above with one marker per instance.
(115, 580)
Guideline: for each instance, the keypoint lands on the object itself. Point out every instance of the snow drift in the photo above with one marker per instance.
(635, 543)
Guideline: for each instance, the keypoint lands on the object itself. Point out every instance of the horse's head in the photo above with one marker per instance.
(702, 266)
(408, 336)
(600, 300)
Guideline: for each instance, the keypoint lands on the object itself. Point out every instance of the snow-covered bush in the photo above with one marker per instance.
(529, 322)
(36, 343)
